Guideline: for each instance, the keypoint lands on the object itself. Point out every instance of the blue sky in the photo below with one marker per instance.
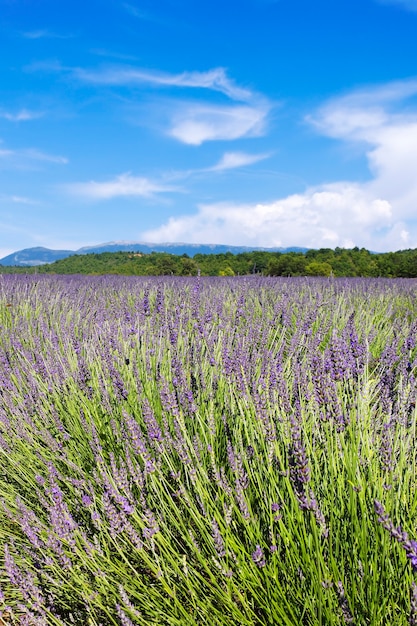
(258, 122)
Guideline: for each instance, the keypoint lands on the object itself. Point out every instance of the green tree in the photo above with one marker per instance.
(318, 268)
(226, 271)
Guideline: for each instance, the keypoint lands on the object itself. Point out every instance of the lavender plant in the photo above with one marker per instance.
(189, 452)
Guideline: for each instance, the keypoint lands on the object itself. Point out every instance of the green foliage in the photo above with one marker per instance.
(152, 431)
(318, 268)
(323, 262)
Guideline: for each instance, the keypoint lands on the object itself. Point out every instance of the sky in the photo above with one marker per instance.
(252, 122)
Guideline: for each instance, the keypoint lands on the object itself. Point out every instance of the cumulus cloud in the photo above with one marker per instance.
(384, 120)
(379, 214)
(123, 185)
(330, 216)
(196, 124)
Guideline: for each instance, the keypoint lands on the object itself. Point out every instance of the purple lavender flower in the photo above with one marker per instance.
(343, 604)
(152, 525)
(397, 533)
(410, 548)
(86, 500)
(258, 557)
(299, 463)
(124, 619)
(218, 539)
(152, 426)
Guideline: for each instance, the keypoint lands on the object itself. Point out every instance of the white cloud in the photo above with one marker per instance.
(361, 114)
(191, 123)
(17, 200)
(45, 34)
(35, 34)
(21, 116)
(231, 160)
(140, 186)
(24, 157)
(379, 214)
(331, 216)
(198, 123)
(389, 137)
(215, 80)
(37, 155)
(123, 185)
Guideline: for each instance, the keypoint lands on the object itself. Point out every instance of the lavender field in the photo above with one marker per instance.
(217, 451)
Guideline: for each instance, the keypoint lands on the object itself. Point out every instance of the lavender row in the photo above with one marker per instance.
(207, 451)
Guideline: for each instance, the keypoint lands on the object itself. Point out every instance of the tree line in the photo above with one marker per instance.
(322, 262)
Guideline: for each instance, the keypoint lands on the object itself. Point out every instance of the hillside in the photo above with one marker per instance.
(323, 262)
(40, 256)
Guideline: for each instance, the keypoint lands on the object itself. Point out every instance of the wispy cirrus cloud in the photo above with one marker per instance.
(17, 200)
(234, 160)
(124, 185)
(194, 124)
(378, 214)
(215, 80)
(127, 185)
(28, 156)
(44, 33)
(138, 13)
(228, 161)
(23, 115)
(359, 115)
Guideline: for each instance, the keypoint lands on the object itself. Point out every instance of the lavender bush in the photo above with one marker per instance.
(211, 452)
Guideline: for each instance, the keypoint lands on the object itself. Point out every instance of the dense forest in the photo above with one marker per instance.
(323, 262)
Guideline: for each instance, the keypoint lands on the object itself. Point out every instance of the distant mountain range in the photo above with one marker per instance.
(39, 256)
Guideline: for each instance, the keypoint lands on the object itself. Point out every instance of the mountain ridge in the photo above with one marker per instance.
(30, 257)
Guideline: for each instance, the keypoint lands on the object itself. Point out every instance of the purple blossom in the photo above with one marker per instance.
(218, 539)
(344, 604)
(24, 580)
(258, 557)
(124, 619)
(86, 500)
(299, 463)
(151, 527)
(397, 533)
